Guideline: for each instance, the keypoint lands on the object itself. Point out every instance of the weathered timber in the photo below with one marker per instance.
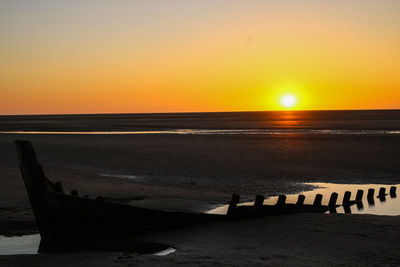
(244, 211)
(317, 200)
(382, 193)
(347, 209)
(233, 203)
(393, 192)
(371, 193)
(359, 195)
(346, 198)
(333, 200)
(62, 217)
(300, 200)
(360, 205)
(259, 201)
(281, 200)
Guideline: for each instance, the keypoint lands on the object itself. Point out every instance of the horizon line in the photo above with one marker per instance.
(193, 112)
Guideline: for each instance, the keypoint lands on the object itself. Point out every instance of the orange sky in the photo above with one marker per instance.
(182, 56)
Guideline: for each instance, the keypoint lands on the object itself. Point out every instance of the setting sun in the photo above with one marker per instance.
(107, 57)
(288, 101)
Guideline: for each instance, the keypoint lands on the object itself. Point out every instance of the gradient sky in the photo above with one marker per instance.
(181, 56)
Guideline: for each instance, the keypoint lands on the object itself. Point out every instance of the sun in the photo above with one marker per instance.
(288, 101)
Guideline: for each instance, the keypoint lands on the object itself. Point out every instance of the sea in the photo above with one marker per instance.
(263, 122)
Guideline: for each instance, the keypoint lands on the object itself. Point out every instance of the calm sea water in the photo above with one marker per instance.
(347, 122)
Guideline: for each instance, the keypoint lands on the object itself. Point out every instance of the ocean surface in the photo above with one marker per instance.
(269, 122)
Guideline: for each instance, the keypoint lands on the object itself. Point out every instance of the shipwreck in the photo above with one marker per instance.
(62, 217)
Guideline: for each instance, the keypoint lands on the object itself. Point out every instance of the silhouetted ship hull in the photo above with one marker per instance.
(61, 217)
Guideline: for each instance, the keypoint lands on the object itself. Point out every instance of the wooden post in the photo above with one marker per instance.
(371, 201)
(333, 200)
(281, 200)
(317, 200)
(393, 192)
(346, 198)
(346, 208)
(382, 192)
(259, 201)
(233, 203)
(300, 200)
(359, 195)
(370, 194)
(332, 210)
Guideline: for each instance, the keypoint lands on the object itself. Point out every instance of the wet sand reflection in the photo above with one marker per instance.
(353, 199)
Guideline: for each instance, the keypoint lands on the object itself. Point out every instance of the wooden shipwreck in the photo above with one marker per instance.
(61, 217)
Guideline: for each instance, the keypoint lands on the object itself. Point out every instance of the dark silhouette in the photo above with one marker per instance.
(332, 202)
(63, 219)
(281, 200)
(347, 209)
(393, 192)
(259, 201)
(370, 197)
(359, 195)
(382, 194)
(70, 222)
(318, 200)
(300, 200)
(360, 206)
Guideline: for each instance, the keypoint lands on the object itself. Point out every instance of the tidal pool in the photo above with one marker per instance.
(29, 244)
(14, 245)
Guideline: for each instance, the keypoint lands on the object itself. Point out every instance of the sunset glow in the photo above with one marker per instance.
(183, 56)
(288, 101)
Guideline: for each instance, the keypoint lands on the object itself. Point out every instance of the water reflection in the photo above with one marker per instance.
(287, 119)
(32, 244)
(360, 206)
(13, 245)
(351, 195)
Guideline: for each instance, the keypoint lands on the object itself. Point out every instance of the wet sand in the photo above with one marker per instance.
(159, 171)
(200, 172)
(289, 240)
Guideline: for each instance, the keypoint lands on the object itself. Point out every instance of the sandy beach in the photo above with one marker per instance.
(200, 172)
(289, 240)
(204, 169)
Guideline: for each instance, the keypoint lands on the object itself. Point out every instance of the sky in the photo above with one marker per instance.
(196, 56)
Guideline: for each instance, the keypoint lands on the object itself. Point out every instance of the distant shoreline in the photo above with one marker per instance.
(191, 112)
(267, 120)
(216, 132)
